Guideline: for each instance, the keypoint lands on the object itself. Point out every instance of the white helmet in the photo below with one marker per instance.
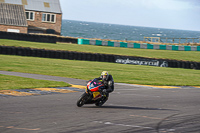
(104, 75)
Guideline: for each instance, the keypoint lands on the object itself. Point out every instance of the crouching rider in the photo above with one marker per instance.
(108, 82)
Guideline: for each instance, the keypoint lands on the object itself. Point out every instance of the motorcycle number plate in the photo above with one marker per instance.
(95, 94)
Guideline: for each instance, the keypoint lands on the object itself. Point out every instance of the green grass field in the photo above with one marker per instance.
(162, 54)
(86, 70)
(134, 74)
(13, 82)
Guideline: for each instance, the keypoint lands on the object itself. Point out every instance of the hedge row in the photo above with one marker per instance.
(24, 51)
(67, 40)
(36, 38)
(27, 37)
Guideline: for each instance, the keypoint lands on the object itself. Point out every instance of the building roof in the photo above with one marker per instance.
(12, 14)
(52, 6)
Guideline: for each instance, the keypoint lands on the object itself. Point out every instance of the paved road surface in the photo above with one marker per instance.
(45, 77)
(130, 108)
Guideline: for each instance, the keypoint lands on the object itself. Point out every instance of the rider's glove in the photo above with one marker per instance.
(104, 91)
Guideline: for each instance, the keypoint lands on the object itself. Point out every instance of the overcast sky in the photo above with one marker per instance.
(173, 14)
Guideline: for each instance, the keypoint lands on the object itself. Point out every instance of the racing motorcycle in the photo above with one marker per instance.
(93, 94)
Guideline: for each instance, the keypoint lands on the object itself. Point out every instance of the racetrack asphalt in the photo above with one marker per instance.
(45, 77)
(130, 108)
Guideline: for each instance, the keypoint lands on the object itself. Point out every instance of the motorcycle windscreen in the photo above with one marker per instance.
(94, 86)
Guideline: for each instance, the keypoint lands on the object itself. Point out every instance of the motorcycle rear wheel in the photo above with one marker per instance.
(81, 101)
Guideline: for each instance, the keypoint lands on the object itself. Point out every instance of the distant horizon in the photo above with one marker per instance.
(85, 29)
(167, 14)
(134, 25)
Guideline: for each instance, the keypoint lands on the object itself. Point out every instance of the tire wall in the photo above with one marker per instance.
(24, 51)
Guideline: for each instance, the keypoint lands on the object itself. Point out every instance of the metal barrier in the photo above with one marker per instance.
(138, 45)
(172, 40)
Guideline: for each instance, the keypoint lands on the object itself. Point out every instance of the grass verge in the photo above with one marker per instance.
(149, 53)
(123, 73)
(13, 82)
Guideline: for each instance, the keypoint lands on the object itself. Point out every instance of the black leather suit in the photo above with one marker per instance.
(108, 83)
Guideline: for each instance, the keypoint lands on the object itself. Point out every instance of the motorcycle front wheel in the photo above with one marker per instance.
(101, 102)
(81, 101)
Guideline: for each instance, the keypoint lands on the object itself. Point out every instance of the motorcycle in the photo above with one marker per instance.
(93, 94)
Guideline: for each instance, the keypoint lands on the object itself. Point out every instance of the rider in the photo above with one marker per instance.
(108, 82)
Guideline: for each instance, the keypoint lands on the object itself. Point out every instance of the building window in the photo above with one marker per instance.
(47, 17)
(30, 15)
